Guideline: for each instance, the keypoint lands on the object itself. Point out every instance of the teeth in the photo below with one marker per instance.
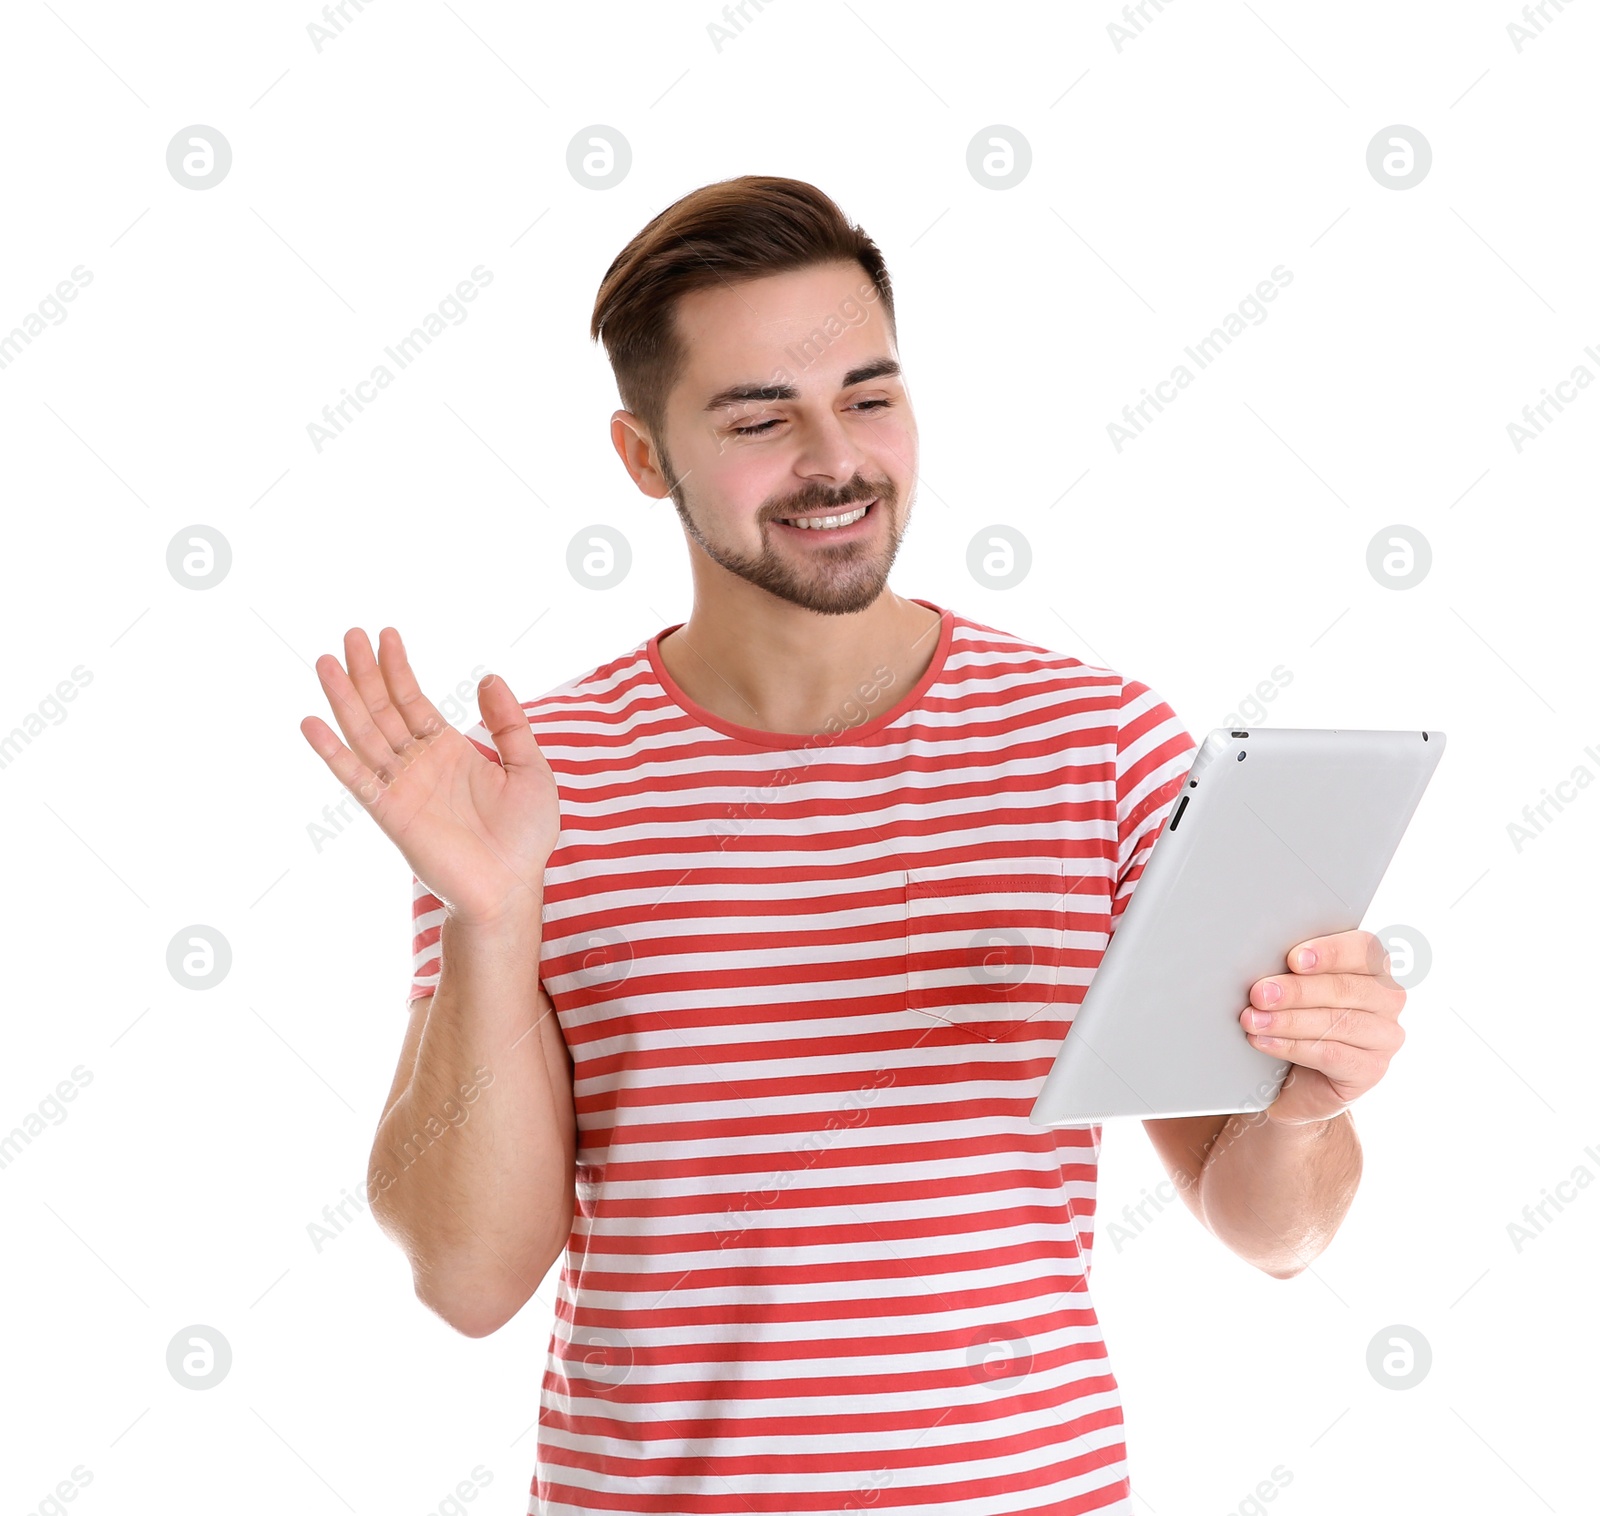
(826, 523)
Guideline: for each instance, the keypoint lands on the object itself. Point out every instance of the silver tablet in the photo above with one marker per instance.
(1276, 836)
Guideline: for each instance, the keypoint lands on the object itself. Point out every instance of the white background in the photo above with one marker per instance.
(1230, 538)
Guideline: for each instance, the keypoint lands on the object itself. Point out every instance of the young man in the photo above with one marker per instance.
(740, 959)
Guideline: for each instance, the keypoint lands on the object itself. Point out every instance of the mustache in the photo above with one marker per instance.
(813, 501)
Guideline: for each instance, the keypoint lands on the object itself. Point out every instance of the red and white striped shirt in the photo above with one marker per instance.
(822, 1259)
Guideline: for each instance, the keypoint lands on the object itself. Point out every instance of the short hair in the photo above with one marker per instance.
(735, 229)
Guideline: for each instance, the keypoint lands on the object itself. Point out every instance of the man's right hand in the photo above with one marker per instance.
(477, 833)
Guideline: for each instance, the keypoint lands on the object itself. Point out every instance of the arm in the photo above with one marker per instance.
(1273, 1193)
(472, 1166)
(471, 1171)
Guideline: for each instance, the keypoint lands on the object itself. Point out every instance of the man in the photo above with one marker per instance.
(740, 959)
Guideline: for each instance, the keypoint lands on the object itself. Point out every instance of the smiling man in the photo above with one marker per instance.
(754, 944)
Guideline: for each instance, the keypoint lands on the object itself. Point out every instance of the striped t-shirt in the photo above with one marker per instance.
(821, 1259)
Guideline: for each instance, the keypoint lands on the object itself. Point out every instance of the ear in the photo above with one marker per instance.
(638, 454)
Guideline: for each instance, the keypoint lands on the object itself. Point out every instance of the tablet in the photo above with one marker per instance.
(1276, 836)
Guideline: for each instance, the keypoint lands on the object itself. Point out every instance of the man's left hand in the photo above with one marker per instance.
(1335, 1016)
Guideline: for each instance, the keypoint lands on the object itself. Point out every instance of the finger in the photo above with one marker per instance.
(349, 770)
(1360, 1029)
(1342, 1062)
(508, 724)
(1353, 952)
(418, 714)
(1287, 992)
(355, 720)
(369, 682)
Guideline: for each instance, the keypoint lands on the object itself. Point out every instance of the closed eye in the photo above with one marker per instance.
(760, 427)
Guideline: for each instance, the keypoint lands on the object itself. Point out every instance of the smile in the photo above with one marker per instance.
(827, 523)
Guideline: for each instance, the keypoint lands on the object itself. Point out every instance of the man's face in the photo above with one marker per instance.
(791, 405)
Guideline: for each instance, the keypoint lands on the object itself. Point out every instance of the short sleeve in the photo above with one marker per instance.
(427, 916)
(1154, 752)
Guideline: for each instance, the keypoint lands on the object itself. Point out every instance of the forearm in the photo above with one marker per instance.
(1276, 1193)
(472, 1166)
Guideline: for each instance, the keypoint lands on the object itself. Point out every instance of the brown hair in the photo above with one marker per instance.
(735, 229)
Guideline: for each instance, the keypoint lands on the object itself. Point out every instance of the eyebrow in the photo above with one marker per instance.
(744, 394)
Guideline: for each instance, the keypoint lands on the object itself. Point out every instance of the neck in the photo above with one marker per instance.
(761, 662)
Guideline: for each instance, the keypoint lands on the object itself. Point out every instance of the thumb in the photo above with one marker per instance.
(508, 724)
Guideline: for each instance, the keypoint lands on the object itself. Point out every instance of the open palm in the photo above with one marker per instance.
(476, 832)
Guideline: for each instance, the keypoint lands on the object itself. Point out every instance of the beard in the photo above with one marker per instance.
(830, 580)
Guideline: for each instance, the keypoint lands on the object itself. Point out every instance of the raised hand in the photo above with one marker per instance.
(475, 832)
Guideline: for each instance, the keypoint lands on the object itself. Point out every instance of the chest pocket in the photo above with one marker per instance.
(983, 950)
